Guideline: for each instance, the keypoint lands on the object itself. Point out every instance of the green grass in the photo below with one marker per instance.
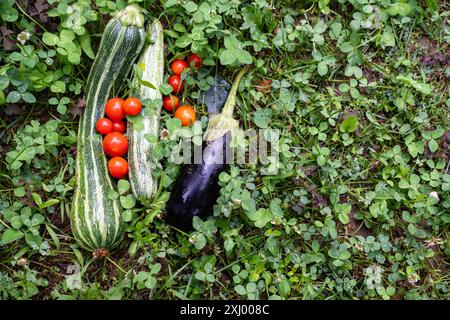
(358, 210)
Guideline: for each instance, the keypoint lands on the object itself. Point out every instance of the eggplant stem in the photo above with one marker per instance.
(231, 100)
(223, 122)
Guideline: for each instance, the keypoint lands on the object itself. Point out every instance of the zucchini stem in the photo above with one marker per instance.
(131, 16)
(231, 100)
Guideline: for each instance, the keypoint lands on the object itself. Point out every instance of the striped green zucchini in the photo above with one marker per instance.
(151, 62)
(95, 217)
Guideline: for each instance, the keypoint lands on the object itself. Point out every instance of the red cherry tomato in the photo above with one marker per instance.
(132, 106)
(195, 61)
(186, 114)
(104, 126)
(170, 103)
(176, 83)
(178, 66)
(118, 167)
(119, 126)
(114, 109)
(115, 144)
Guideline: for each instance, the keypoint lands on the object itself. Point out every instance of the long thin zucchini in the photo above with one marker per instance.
(151, 62)
(95, 217)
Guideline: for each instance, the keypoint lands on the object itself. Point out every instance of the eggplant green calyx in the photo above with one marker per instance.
(220, 124)
(131, 16)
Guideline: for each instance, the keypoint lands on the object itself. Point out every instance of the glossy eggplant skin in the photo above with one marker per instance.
(215, 97)
(196, 190)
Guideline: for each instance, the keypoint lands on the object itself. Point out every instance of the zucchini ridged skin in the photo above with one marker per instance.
(143, 184)
(96, 220)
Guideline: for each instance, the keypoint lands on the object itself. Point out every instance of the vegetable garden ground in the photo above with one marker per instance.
(359, 209)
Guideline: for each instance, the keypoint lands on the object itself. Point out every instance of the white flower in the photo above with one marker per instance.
(434, 194)
(23, 37)
(22, 262)
(237, 202)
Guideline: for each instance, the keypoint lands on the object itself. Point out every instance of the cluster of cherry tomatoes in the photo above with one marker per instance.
(185, 113)
(115, 144)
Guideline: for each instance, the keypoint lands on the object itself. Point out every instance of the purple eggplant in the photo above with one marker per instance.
(215, 97)
(196, 189)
